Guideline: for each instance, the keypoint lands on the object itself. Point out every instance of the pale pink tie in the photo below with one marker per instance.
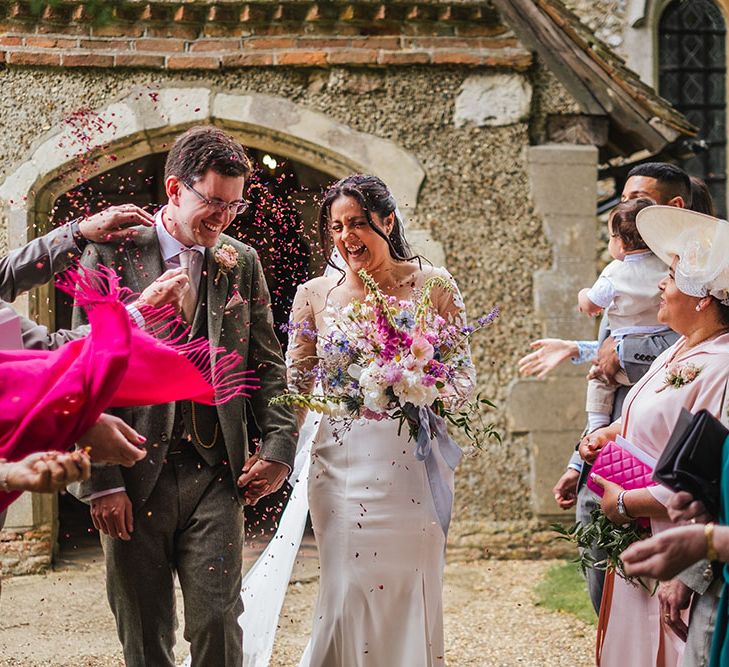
(188, 258)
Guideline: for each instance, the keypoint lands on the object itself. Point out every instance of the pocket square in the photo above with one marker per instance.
(235, 300)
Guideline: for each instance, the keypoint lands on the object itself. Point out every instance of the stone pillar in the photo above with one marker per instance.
(563, 180)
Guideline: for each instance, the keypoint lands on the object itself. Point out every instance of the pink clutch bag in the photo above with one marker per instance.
(620, 466)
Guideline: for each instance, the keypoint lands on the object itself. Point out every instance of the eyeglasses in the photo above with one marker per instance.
(234, 207)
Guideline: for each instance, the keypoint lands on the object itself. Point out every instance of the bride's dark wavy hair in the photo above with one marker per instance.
(374, 197)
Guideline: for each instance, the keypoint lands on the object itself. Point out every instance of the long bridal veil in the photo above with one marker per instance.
(265, 584)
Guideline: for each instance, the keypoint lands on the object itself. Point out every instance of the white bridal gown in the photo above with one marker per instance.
(381, 546)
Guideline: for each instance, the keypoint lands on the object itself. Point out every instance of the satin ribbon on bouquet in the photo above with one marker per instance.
(433, 427)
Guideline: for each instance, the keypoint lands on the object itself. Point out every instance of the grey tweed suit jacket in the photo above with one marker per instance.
(246, 327)
(30, 266)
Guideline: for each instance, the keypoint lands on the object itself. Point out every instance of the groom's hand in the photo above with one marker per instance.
(170, 287)
(112, 515)
(261, 478)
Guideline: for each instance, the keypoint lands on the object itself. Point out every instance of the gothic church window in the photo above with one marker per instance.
(692, 76)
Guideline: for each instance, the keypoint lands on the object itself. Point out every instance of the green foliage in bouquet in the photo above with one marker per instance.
(601, 533)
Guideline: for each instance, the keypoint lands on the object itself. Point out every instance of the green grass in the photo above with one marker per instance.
(564, 590)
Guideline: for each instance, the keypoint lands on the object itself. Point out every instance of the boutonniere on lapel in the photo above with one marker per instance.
(226, 257)
(679, 375)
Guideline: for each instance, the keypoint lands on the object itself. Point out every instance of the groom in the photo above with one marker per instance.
(179, 511)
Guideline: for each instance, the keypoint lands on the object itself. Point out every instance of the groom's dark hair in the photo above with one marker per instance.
(203, 148)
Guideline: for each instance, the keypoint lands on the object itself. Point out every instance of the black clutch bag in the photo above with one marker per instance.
(691, 460)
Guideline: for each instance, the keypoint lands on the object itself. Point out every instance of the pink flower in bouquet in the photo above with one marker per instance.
(393, 374)
(431, 337)
(422, 349)
(429, 380)
(410, 363)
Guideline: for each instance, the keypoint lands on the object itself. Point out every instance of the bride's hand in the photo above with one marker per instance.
(261, 478)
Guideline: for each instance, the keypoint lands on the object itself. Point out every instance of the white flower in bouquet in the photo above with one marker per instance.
(374, 386)
(413, 389)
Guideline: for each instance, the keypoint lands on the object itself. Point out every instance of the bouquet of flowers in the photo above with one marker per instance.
(397, 359)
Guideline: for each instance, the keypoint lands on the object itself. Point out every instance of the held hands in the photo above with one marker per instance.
(565, 491)
(47, 472)
(666, 554)
(113, 223)
(112, 515)
(261, 478)
(549, 353)
(111, 440)
(169, 288)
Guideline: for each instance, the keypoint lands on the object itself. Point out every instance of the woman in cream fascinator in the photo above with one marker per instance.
(635, 627)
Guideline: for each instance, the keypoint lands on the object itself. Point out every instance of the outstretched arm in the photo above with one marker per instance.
(39, 260)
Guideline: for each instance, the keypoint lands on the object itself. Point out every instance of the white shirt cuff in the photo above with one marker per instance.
(135, 315)
(107, 492)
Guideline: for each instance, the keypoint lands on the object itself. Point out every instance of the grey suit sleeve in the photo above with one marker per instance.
(639, 352)
(103, 477)
(37, 337)
(277, 423)
(698, 577)
(38, 261)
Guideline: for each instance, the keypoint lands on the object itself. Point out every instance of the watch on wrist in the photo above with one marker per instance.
(78, 237)
(621, 506)
(711, 553)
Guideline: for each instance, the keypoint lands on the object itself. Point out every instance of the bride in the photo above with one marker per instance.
(381, 543)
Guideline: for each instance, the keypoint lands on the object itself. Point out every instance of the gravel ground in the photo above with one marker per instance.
(62, 619)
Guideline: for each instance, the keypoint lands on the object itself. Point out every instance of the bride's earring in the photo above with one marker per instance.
(698, 307)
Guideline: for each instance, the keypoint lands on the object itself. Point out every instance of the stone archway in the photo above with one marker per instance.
(146, 121)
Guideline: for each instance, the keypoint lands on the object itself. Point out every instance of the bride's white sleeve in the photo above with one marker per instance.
(449, 304)
(301, 353)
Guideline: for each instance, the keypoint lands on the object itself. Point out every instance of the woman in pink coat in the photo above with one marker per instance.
(692, 374)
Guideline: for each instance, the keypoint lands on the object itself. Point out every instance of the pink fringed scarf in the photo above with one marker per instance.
(48, 399)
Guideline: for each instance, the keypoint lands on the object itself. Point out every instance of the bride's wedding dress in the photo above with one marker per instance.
(381, 550)
(381, 544)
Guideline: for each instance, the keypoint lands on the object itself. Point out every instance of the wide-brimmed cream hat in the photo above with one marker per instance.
(699, 241)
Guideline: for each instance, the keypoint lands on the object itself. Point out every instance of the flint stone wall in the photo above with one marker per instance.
(475, 201)
(606, 18)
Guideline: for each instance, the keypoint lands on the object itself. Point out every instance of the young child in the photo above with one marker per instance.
(628, 289)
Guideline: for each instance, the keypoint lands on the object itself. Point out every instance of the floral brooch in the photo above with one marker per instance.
(679, 375)
(226, 257)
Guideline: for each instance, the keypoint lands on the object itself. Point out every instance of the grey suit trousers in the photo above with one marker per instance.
(701, 626)
(192, 525)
